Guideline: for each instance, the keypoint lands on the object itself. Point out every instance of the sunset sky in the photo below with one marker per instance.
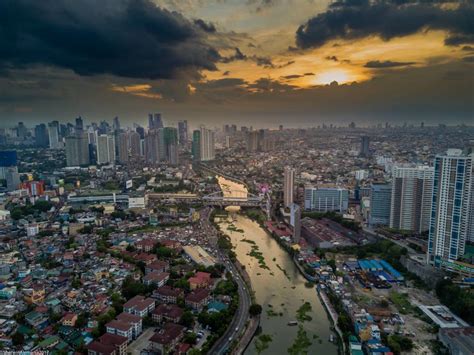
(260, 62)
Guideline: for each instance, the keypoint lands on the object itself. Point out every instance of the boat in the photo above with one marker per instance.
(292, 323)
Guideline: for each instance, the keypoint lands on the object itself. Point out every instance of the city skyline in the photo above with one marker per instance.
(246, 61)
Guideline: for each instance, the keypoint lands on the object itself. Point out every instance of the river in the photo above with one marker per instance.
(278, 285)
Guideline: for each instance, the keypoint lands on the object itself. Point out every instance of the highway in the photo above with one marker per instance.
(240, 318)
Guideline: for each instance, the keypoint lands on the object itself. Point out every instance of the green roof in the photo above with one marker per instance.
(48, 341)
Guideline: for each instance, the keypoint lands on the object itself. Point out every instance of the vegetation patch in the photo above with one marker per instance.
(301, 344)
(301, 313)
(262, 343)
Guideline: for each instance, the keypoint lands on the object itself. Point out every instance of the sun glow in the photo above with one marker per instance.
(339, 75)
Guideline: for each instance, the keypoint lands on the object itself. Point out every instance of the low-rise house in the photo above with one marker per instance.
(134, 320)
(69, 319)
(159, 265)
(198, 298)
(156, 278)
(168, 294)
(139, 306)
(200, 280)
(167, 338)
(108, 344)
(121, 328)
(168, 313)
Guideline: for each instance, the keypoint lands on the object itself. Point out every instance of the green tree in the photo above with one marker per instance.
(255, 309)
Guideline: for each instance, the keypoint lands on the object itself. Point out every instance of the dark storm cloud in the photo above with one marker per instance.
(207, 27)
(259, 60)
(128, 38)
(377, 64)
(387, 19)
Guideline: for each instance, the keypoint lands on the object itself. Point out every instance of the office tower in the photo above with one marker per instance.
(196, 147)
(21, 130)
(365, 146)
(8, 160)
(41, 136)
(105, 149)
(204, 143)
(77, 150)
(233, 129)
(123, 148)
(226, 129)
(135, 144)
(53, 135)
(252, 141)
(227, 141)
(324, 199)
(170, 135)
(155, 146)
(104, 127)
(183, 132)
(452, 207)
(411, 198)
(155, 121)
(141, 131)
(380, 203)
(288, 186)
(116, 124)
(13, 178)
(79, 125)
(295, 221)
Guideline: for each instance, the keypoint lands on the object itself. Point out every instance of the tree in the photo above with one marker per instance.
(81, 320)
(255, 309)
(18, 339)
(187, 319)
(190, 338)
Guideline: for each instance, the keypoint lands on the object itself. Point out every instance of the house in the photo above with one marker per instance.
(167, 312)
(97, 348)
(139, 306)
(167, 338)
(36, 319)
(35, 295)
(120, 328)
(145, 245)
(69, 319)
(134, 320)
(197, 299)
(119, 343)
(146, 258)
(168, 294)
(159, 265)
(200, 280)
(157, 278)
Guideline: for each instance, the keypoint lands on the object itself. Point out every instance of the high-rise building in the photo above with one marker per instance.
(135, 144)
(123, 144)
(77, 150)
(288, 186)
(183, 132)
(21, 130)
(41, 135)
(13, 178)
(252, 140)
(105, 149)
(170, 135)
(155, 146)
(196, 147)
(8, 160)
(380, 203)
(207, 144)
(141, 131)
(79, 125)
(154, 121)
(365, 146)
(295, 221)
(452, 207)
(411, 198)
(53, 135)
(324, 199)
(116, 124)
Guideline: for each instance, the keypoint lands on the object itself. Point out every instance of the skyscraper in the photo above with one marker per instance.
(183, 132)
(252, 141)
(365, 146)
(288, 186)
(135, 144)
(380, 203)
(116, 124)
(155, 146)
(411, 198)
(196, 148)
(154, 121)
(77, 150)
(123, 148)
(41, 135)
(53, 135)
(170, 135)
(8, 161)
(105, 149)
(295, 221)
(79, 125)
(206, 144)
(452, 207)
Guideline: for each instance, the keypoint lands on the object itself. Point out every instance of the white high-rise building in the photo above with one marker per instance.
(53, 134)
(452, 208)
(288, 186)
(105, 149)
(207, 144)
(411, 198)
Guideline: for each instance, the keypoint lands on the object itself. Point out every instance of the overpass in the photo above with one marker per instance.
(242, 200)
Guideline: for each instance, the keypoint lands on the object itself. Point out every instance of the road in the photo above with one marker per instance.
(398, 242)
(241, 316)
